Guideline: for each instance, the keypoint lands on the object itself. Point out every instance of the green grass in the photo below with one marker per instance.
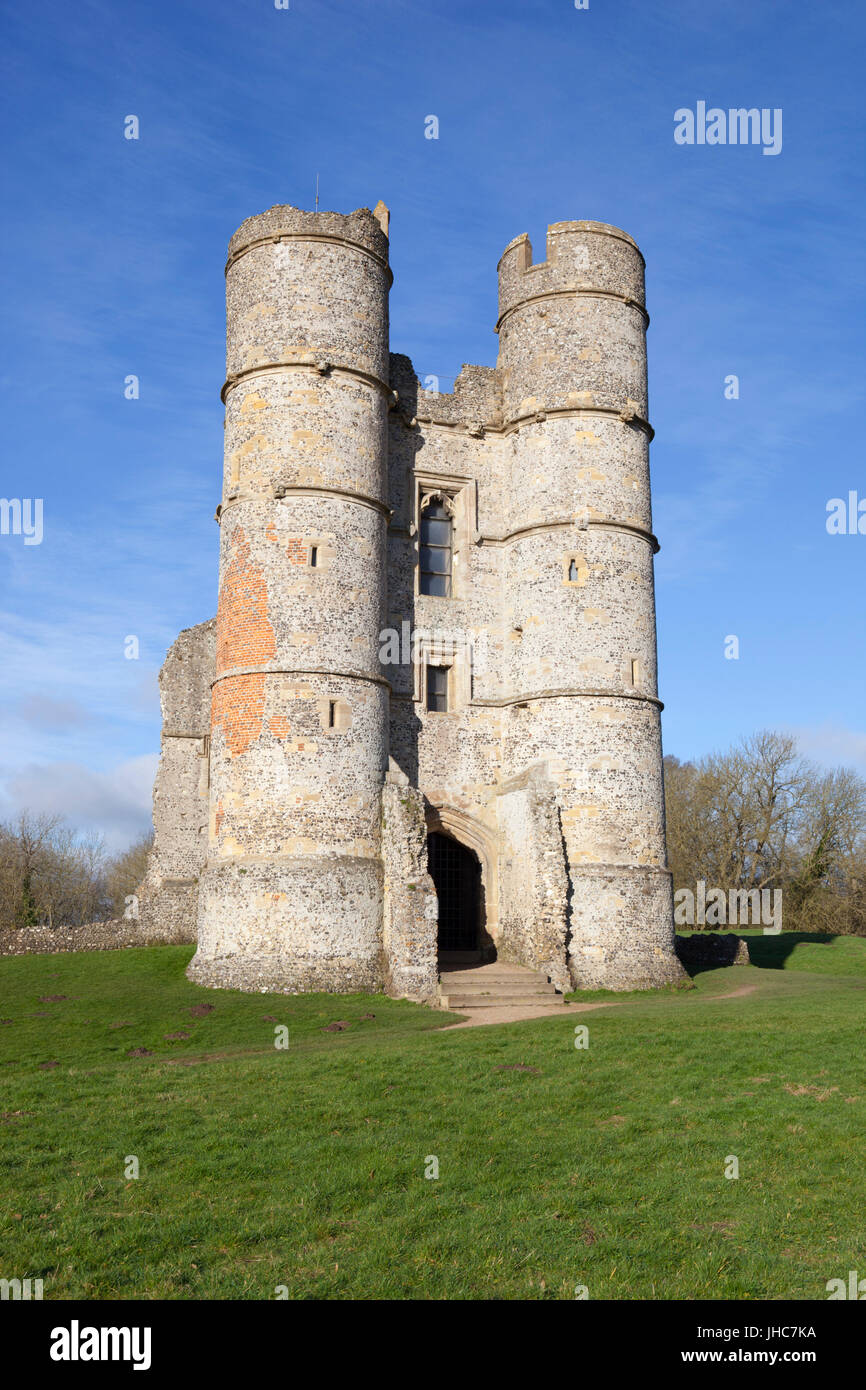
(813, 952)
(305, 1167)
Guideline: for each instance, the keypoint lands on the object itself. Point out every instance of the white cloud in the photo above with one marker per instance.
(832, 744)
(117, 803)
(44, 712)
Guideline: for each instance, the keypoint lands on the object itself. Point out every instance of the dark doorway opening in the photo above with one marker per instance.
(456, 874)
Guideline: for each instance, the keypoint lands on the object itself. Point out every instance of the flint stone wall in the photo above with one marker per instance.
(168, 896)
(410, 905)
(713, 949)
(533, 928)
(114, 935)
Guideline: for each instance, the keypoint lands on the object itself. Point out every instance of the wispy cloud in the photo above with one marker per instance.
(832, 745)
(115, 804)
(43, 712)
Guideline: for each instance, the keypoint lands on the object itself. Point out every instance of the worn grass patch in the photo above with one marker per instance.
(305, 1167)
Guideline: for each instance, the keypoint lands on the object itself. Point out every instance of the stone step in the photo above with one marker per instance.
(497, 1001)
(497, 985)
(530, 995)
(511, 982)
(492, 972)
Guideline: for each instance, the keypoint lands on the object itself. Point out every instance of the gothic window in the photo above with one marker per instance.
(437, 689)
(435, 560)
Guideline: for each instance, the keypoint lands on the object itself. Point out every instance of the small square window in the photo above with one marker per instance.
(437, 689)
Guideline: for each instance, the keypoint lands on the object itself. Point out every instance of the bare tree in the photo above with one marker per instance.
(762, 816)
(49, 874)
(126, 871)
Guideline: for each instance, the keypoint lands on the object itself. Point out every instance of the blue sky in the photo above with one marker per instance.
(113, 264)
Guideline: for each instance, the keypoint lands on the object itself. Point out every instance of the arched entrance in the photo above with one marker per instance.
(456, 874)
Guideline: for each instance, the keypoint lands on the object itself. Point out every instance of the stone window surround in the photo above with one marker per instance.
(333, 708)
(324, 548)
(431, 651)
(578, 559)
(459, 493)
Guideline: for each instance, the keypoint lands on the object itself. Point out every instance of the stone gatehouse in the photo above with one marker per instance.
(425, 718)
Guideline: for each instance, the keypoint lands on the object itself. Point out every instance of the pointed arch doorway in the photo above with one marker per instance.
(456, 873)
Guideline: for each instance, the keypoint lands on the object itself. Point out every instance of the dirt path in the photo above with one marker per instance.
(479, 1018)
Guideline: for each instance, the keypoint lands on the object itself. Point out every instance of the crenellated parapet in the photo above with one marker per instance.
(366, 230)
(580, 257)
(475, 402)
(572, 329)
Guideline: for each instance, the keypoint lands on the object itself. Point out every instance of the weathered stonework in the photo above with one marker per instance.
(533, 927)
(410, 909)
(115, 935)
(326, 769)
(712, 949)
(168, 896)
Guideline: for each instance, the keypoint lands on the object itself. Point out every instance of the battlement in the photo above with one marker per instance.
(363, 228)
(475, 400)
(307, 287)
(581, 256)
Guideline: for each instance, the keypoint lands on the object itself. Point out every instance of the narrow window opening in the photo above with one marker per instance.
(435, 558)
(572, 572)
(437, 689)
(332, 714)
(314, 556)
(635, 671)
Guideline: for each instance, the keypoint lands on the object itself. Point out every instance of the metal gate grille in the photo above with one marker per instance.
(454, 870)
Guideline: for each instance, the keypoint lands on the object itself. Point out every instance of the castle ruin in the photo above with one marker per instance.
(425, 719)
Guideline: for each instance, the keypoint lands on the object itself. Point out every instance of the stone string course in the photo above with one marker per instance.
(299, 774)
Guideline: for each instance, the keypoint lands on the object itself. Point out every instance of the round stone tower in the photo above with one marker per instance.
(291, 895)
(580, 682)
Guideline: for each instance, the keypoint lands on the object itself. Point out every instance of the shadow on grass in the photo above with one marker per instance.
(771, 952)
(765, 952)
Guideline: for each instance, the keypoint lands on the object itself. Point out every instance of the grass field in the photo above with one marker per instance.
(305, 1167)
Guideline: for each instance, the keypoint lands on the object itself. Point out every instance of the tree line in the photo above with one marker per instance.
(53, 876)
(761, 816)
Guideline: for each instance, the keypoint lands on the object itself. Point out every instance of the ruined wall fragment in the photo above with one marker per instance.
(409, 917)
(168, 896)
